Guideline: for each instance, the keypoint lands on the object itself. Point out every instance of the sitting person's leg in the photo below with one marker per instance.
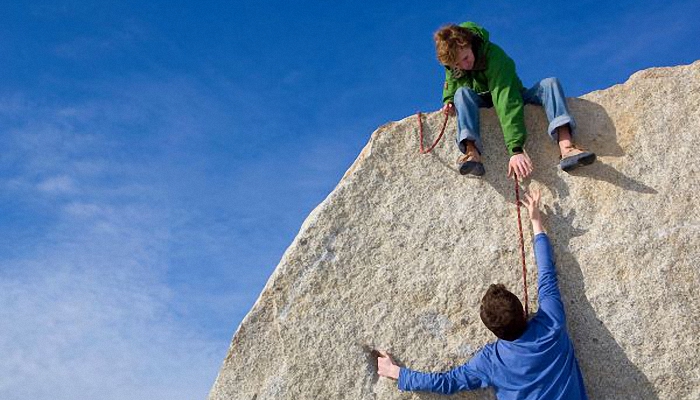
(550, 95)
(467, 103)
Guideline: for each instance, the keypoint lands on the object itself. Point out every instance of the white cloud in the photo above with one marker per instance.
(83, 210)
(143, 225)
(90, 314)
(57, 185)
(89, 311)
(72, 331)
(110, 42)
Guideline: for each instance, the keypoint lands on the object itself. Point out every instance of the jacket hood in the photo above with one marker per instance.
(478, 30)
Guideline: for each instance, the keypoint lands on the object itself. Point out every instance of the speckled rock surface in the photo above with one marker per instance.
(398, 256)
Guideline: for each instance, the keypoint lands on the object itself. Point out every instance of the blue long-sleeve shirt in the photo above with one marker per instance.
(540, 364)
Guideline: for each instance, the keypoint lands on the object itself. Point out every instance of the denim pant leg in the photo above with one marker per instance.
(467, 103)
(549, 94)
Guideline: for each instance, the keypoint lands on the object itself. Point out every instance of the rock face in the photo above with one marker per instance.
(398, 256)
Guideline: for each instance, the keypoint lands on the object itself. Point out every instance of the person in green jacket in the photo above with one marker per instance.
(480, 74)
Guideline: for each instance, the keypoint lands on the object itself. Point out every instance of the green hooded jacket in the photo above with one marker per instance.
(494, 74)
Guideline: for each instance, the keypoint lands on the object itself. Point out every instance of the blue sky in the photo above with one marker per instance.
(157, 159)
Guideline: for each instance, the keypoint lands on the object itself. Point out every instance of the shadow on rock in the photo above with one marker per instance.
(595, 131)
(607, 371)
(604, 172)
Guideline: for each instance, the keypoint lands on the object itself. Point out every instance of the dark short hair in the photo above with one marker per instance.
(502, 312)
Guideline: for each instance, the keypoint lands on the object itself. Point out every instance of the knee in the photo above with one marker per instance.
(550, 82)
(465, 95)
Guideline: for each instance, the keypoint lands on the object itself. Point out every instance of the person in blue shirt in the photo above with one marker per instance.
(530, 359)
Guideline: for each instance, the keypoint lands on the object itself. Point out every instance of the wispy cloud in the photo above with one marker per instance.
(57, 184)
(112, 41)
(90, 309)
(90, 315)
(76, 327)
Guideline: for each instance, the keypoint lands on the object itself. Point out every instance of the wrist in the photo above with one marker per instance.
(537, 226)
(396, 371)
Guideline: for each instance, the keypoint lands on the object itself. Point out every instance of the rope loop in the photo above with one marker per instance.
(420, 127)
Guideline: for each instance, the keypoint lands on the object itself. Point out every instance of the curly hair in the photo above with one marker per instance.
(502, 312)
(449, 39)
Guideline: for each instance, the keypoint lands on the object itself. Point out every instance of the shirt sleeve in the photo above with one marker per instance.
(468, 376)
(449, 88)
(548, 286)
(505, 88)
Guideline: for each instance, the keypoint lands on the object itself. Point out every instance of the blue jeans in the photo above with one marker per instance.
(547, 93)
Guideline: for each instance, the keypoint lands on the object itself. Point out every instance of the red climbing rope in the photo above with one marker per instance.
(522, 242)
(517, 200)
(442, 132)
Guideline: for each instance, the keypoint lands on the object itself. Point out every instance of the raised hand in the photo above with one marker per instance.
(531, 201)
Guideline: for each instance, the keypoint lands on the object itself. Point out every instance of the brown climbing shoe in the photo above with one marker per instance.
(575, 157)
(470, 163)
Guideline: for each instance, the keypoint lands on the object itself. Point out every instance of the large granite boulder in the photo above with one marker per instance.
(398, 256)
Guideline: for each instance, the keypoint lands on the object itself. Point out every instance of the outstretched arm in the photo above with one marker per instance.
(505, 87)
(464, 377)
(548, 287)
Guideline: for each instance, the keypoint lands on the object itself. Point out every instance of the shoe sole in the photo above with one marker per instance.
(473, 168)
(574, 162)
